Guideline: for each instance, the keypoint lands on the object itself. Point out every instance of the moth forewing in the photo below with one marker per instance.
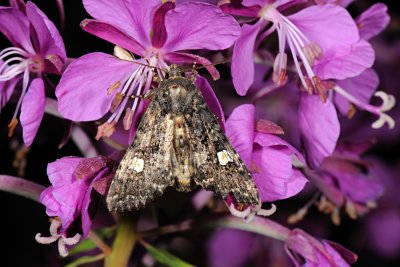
(179, 143)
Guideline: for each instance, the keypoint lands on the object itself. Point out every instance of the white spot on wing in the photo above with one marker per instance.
(138, 164)
(223, 157)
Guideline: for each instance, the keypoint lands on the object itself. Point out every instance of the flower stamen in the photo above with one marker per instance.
(388, 102)
(54, 236)
(20, 63)
(134, 87)
(301, 48)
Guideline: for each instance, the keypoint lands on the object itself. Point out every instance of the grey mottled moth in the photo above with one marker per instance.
(179, 143)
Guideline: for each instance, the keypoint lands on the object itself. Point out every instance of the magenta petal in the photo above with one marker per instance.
(63, 197)
(304, 244)
(336, 257)
(240, 10)
(273, 167)
(133, 17)
(82, 92)
(48, 37)
(321, 24)
(240, 131)
(86, 221)
(70, 199)
(54, 64)
(361, 87)
(61, 171)
(242, 59)
(211, 99)
(113, 35)
(159, 31)
(360, 57)
(274, 176)
(47, 199)
(372, 21)
(213, 2)
(6, 89)
(260, 3)
(367, 189)
(319, 126)
(265, 140)
(19, 4)
(32, 110)
(348, 255)
(15, 26)
(195, 25)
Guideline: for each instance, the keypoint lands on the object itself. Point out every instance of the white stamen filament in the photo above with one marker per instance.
(306, 64)
(137, 83)
(297, 41)
(20, 63)
(297, 64)
(25, 83)
(282, 42)
(388, 102)
(251, 211)
(62, 239)
(127, 86)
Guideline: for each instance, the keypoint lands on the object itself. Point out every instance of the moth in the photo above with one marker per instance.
(179, 143)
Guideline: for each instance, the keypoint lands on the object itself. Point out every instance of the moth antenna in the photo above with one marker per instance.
(150, 66)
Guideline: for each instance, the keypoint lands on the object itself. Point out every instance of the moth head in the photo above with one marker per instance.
(175, 72)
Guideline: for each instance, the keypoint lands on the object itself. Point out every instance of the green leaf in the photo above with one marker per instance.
(88, 244)
(165, 257)
(86, 259)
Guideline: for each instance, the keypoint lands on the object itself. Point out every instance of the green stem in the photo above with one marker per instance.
(124, 242)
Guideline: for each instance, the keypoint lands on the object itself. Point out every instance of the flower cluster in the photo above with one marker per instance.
(299, 72)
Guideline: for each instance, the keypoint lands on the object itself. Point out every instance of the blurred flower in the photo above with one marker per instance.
(344, 179)
(37, 49)
(268, 157)
(307, 251)
(236, 248)
(382, 224)
(98, 83)
(69, 197)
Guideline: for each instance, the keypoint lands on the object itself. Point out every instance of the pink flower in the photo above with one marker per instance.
(311, 35)
(357, 90)
(98, 83)
(37, 49)
(231, 247)
(69, 196)
(268, 157)
(345, 182)
(307, 251)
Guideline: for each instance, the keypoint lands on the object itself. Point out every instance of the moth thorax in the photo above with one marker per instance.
(177, 90)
